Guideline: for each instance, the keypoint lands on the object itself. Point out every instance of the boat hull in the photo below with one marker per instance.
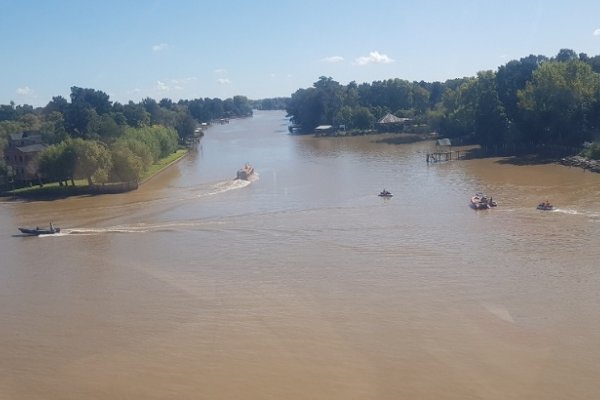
(39, 231)
(481, 202)
(479, 206)
(245, 173)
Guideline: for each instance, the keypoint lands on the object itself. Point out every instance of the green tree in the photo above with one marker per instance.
(186, 125)
(53, 128)
(108, 129)
(460, 106)
(557, 101)
(93, 161)
(127, 166)
(362, 118)
(8, 112)
(511, 78)
(136, 114)
(305, 109)
(491, 123)
(90, 98)
(57, 162)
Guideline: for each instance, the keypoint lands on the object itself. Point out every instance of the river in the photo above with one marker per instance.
(303, 283)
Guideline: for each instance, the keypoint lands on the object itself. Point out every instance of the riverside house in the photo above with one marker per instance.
(391, 123)
(21, 154)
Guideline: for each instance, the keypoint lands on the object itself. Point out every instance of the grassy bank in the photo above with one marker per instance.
(163, 163)
(53, 190)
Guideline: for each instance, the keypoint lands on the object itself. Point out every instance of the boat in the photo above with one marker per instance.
(545, 206)
(246, 172)
(40, 231)
(385, 193)
(481, 202)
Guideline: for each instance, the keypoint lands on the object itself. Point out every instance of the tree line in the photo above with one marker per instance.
(102, 141)
(533, 100)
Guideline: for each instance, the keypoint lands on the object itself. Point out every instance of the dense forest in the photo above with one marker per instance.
(92, 138)
(534, 100)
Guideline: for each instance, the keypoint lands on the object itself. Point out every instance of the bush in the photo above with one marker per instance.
(592, 152)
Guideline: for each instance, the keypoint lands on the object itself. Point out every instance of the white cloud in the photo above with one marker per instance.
(374, 57)
(24, 91)
(162, 86)
(224, 81)
(160, 47)
(173, 84)
(220, 71)
(597, 32)
(333, 59)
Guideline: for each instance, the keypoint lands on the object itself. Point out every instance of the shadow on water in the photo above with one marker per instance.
(523, 155)
(529, 159)
(405, 138)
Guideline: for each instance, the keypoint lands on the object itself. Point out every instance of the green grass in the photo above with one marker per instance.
(48, 187)
(163, 163)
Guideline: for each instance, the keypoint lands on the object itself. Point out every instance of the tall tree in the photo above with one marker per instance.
(511, 78)
(491, 123)
(93, 161)
(557, 101)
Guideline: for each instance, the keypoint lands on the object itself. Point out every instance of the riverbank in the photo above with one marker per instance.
(54, 191)
(581, 162)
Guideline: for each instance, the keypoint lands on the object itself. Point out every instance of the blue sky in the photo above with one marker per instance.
(184, 49)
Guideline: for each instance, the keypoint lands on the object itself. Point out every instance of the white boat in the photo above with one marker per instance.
(481, 202)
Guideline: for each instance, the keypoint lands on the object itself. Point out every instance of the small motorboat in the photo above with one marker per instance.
(481, 202)
(385, 193)
(246, 172)
(40, 231)
(545, 206)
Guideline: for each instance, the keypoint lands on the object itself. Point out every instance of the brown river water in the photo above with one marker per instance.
(303, 283)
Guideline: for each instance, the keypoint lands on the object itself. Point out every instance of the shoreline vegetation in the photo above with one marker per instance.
(537, 105)
(51, 191)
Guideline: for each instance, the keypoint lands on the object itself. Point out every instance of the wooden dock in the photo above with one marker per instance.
(439, 156)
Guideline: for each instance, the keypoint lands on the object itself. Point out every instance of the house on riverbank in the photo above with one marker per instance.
(391, 123)
(21, 155)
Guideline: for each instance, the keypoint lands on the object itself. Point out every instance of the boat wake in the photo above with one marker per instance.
(225, 186)
(570, 211)
(222, 187)
(138, 228)
(567, 211)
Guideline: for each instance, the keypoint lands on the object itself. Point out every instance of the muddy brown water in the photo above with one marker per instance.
(303, 283)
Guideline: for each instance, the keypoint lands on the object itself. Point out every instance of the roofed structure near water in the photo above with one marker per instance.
(443, 142)
(392, 119)
(391, 123)
(324, 129)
